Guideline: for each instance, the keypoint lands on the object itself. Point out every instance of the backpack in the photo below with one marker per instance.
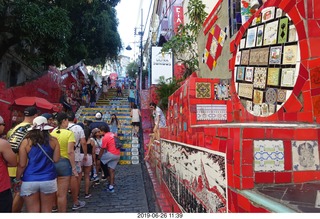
(17, 136)
(78, 143)
(117, 142)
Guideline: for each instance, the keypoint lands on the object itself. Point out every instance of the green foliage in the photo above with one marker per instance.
(36, 30)
(166, 88)
(132, 69)
(183, 44)
(61, 31)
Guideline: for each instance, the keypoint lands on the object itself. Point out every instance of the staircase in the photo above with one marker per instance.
(121, 107)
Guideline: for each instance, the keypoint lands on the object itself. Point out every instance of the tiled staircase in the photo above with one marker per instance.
(121, 107)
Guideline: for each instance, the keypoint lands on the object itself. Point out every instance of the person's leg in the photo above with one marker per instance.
(63, 184)
(74, 187)
(33, 202)
(87, 179)
(17, 203)
(111, 174)
(46, 201)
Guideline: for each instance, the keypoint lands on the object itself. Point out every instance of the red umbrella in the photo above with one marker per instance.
(34, 101)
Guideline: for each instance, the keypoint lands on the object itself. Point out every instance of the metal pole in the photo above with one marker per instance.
(141, 50)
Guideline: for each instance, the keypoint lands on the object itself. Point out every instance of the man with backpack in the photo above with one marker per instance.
(15, 137)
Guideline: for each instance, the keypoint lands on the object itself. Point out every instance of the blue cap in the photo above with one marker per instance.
(47, 115)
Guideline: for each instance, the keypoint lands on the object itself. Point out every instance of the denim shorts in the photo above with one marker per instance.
(63, 167)
(46, 187)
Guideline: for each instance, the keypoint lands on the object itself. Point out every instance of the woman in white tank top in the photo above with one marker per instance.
(135, 121)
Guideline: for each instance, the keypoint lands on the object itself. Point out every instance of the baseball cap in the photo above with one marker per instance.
(98, 115)
(30, 111)
(41, 123)
(47, 115)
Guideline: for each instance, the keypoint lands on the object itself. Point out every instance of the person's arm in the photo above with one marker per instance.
(23, 158)
(8, 155)
(71, 157)
(83, 143)
(93, 144)
(56, 150)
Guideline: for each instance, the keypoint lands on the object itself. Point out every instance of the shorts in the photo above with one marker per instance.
(131, 100)
(63, 167)
(87, 163)
(110, 160)
(6, 201)
(46, 187)
(135, 123)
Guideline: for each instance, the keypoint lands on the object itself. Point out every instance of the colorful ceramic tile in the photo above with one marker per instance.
(279, 13)
(203, 90)
(282, 95)
(260, 30)
(270, 33)
(260, 75)
(305, 155)
(256, 110)
(240, 73)
(245, 54)
(242, 43)
(257, 96)
(222, 92)
(287, 77)
(238, 58)
(290, 54)
(251, 37)
(249, 74)
(283, 30)
(271, 96)
(275, 55)
(268, 155)
(264, 109)
(259, 56)
(245, 90)
(249, 105)
(273, 76)
(211, 112)
(268, 14)
(272, 108)
(292, 36)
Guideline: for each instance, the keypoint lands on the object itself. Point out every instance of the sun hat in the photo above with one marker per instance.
(40, 122)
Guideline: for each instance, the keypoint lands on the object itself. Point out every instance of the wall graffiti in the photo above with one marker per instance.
(195, 177)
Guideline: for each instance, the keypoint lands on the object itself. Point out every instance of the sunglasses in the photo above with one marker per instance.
(4, 124)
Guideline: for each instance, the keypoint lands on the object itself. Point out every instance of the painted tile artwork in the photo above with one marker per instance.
(260, 75)
(283, 30)
(268, 14)
(282, 95)
(287, 77)
(257, 96)
(275, 55)
(260, 30)
(290, 54)
(245, 54)
(251, 37)
(203, 90)
(245, 90)
(211, 112)
(292, 36)
(222, 91)
(271, 96)
(273, 76)
(195, 175)
(240, 73)
(259, 56)
(249, 74)
(268, 155)
(305, 155)
(270, 33)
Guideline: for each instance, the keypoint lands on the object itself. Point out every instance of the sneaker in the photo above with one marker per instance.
(103, 179)
(111, 189)
(80, 205)
(97, 182)
(87, 195)
(54, 209)
(96, 178)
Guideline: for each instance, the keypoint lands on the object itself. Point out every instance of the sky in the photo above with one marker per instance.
(129, 15)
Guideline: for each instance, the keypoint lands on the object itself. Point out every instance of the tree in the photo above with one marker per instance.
(184, 44)
(132, 69)
(61, 31)
(165, 88)
(36, 30)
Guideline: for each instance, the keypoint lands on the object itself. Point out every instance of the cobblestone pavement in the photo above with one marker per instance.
(133, 193)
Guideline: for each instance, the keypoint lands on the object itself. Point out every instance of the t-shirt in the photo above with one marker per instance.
(159, 115)
(97, 124)
(78, 134)
(64, 137)
(108, 143)
(12, 170)
(135, 115)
